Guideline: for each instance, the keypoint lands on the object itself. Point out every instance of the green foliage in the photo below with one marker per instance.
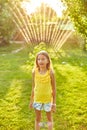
(37, 48)
(78, 14)
(40, 47)
(6, 23)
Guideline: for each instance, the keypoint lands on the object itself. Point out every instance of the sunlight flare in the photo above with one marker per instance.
(42, 21)
(31, 6)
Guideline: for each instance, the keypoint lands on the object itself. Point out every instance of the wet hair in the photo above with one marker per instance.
(46, 55)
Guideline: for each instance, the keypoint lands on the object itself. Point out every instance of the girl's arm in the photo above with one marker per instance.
(53, 83)
(32, 92)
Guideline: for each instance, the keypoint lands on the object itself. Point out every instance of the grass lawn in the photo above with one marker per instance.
(15, 88)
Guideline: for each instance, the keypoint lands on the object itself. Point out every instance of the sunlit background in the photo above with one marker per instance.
(43, 21)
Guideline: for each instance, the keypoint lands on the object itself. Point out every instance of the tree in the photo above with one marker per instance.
(78, 14)
(7, 26)
(6, 23)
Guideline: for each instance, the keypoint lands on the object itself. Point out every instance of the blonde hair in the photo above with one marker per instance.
(49, 64)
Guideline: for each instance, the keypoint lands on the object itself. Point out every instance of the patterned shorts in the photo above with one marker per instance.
(42, 106)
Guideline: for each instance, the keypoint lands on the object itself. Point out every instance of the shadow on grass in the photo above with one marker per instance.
(74, 58)
(26, 116)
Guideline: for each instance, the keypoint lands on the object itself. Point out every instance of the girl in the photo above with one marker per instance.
(43, 94)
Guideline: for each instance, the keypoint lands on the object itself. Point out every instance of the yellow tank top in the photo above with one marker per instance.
(43, 88)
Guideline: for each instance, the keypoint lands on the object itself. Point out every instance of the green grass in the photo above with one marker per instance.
(15, 88)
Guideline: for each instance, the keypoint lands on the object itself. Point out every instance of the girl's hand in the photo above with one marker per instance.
(31, 105)
(53, 108)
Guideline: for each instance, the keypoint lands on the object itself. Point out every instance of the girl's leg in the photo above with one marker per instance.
(37, 120)
(50, 120)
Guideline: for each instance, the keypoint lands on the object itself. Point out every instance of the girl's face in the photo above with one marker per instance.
(42, 61)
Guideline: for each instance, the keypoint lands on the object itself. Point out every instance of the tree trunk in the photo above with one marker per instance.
(84, 45)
